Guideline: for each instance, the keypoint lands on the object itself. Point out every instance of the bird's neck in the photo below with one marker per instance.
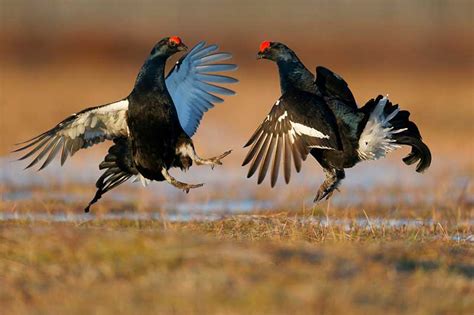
(293, 74)
(151, 77)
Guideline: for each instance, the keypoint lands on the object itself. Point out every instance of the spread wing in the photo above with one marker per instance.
(78, 131)
(333, 86)
(191, 84)
(292, 128)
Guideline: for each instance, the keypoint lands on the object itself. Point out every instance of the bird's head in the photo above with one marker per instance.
(275, 51)
(167, 47)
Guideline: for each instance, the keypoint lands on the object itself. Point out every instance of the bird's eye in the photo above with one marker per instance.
(172, 44)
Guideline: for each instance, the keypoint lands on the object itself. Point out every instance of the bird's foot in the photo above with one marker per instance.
(333, 179)
(176, 183)
(324, 191)
(217, 160)
(186, 187)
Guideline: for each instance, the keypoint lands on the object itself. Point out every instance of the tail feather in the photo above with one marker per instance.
(419, 152)
(118, 168)
(403, 131)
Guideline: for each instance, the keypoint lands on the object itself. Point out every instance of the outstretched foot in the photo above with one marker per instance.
(211, 161)
(186, 187)
(325, 191)
(333, 179)
(180, 185)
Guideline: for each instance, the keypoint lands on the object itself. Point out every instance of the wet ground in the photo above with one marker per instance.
(381, 187)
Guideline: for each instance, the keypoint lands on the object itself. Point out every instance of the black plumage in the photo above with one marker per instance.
(321, 117)
(152, 127)
(294, 110)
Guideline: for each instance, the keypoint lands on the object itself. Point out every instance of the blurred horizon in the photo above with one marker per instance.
(58, 57)
(434, 30)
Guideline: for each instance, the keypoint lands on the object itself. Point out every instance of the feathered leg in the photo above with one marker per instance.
(333, 179)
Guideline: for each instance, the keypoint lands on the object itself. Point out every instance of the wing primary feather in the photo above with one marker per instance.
(287, 159)
(68, 145)
(204, 51)
(53, 152)
(199, 109)
(276, 160)
(254, 148)
(43, 152)
(211, 88)
(266, 161)
(208, 97)
(34, 141)
(64, 152)
(196, 48)
(215, 57)
(301, 148)
(76, 145)
(297, 156)
(215, 78)
(217, 67)
(254, 136)
(261, 152)
(35, 149)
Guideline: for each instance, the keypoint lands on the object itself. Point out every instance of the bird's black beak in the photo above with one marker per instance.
(260, 55)
(182, 47)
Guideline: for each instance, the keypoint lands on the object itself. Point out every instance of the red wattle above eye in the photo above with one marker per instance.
(175, 39)
(264, 45)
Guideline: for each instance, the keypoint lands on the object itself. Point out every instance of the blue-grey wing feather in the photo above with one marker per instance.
(192, 84)
(215, 78)
(215, 57)
(217, 67)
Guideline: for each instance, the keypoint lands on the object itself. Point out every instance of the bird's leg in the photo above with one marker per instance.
(211, 161)
(173, 181)
(333, 179)
(188, 150)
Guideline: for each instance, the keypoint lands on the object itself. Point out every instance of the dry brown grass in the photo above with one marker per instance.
(266, 265)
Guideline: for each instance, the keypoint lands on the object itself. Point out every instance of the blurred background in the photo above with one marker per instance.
(58, 57)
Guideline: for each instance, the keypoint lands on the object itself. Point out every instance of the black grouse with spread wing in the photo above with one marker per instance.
(152, 127)
(318, 115)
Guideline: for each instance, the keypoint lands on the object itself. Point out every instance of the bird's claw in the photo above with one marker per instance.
(324, 192)
(217, 160)
(187, 187)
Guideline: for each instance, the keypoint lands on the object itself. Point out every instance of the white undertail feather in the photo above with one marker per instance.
(376, 139)
(140, 178)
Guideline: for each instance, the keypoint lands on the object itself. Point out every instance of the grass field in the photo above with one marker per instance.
(269, 264)
(141, 253)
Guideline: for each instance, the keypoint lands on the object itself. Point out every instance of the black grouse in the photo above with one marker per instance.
(152, 127)
(319, 115)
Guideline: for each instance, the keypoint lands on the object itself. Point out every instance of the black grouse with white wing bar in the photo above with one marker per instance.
(152, 127)
(318, 115)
